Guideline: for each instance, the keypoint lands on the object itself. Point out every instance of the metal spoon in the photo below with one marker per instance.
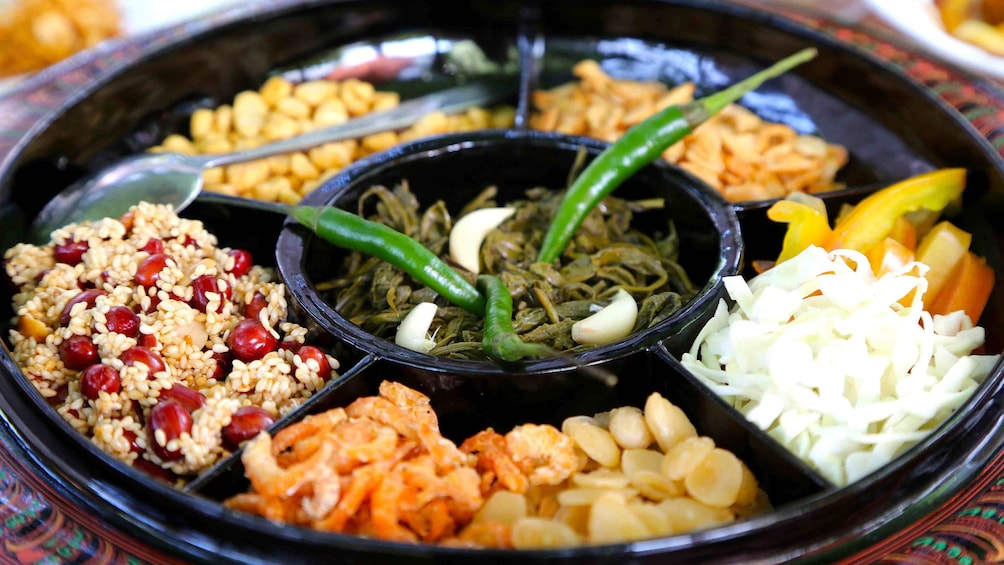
(173, 178)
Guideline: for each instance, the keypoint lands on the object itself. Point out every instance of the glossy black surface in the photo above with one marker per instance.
(846, 95)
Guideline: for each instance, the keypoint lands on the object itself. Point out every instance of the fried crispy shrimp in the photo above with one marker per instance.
(494, 463)
(385, 510)
(410, 414)
(269, 478)
(543, 453)
(300, 440)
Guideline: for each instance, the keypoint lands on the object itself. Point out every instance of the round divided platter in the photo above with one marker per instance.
(898, 115)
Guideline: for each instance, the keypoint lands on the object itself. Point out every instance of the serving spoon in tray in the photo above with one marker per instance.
(176, 179)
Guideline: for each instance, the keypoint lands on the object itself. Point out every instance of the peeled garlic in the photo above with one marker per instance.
(413, 333)
(611, 323)
(470, 230)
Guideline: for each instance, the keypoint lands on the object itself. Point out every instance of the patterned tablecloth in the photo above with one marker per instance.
(40, 523)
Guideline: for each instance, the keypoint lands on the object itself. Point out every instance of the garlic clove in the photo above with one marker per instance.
(470, 231)
(413, 333)
(613, 322)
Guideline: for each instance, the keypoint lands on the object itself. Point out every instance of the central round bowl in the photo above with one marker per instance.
(455, 168)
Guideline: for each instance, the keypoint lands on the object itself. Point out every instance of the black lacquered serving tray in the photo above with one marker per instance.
(893, 126)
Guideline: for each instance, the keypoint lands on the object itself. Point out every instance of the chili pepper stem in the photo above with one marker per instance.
(639, 146)
(714, 103)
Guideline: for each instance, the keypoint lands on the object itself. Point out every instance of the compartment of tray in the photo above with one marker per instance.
(466, 405)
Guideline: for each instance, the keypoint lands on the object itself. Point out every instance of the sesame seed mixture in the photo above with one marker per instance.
(165, 350)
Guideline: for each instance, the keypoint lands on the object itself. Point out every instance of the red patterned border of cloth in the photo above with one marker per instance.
(41, 525)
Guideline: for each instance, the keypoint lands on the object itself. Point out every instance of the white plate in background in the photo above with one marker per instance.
(919, 21)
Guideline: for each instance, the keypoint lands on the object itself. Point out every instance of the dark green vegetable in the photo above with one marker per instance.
(500, 340)
(641, 145)
(351, 231)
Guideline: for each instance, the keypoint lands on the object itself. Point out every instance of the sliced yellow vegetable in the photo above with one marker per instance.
(806, 226)
(873, 218)
(905, 232)
(889, 255)
(941, 250)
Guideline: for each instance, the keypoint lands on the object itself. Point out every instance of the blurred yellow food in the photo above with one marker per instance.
(980, 22)
(37, 33)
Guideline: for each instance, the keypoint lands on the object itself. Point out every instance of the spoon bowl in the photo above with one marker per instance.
(176, 179)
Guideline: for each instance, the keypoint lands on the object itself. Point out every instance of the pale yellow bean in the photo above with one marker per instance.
(716, 480)
(596, 442)
(687, 515)
(681, 459)
(668, 424)
(635, 460)
(600, 479)
(655, 520)
(655, 486)
(575, 517)
(502, 506)
(610, 521)
(628, 426)
(587, 496)
(749, 491)
(540, 533)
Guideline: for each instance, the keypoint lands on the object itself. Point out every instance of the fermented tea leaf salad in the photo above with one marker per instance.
(859, 342)
(639, 146)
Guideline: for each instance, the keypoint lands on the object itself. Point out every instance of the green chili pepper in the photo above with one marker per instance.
(350, 231)
(500, 340)
(641, 145)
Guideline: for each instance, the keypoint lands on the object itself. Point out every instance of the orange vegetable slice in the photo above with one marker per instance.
(941, 250)
(972, 280)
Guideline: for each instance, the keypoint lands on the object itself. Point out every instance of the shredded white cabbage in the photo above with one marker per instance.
(819, 353)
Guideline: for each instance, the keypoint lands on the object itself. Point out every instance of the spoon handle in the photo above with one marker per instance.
(448, 101)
